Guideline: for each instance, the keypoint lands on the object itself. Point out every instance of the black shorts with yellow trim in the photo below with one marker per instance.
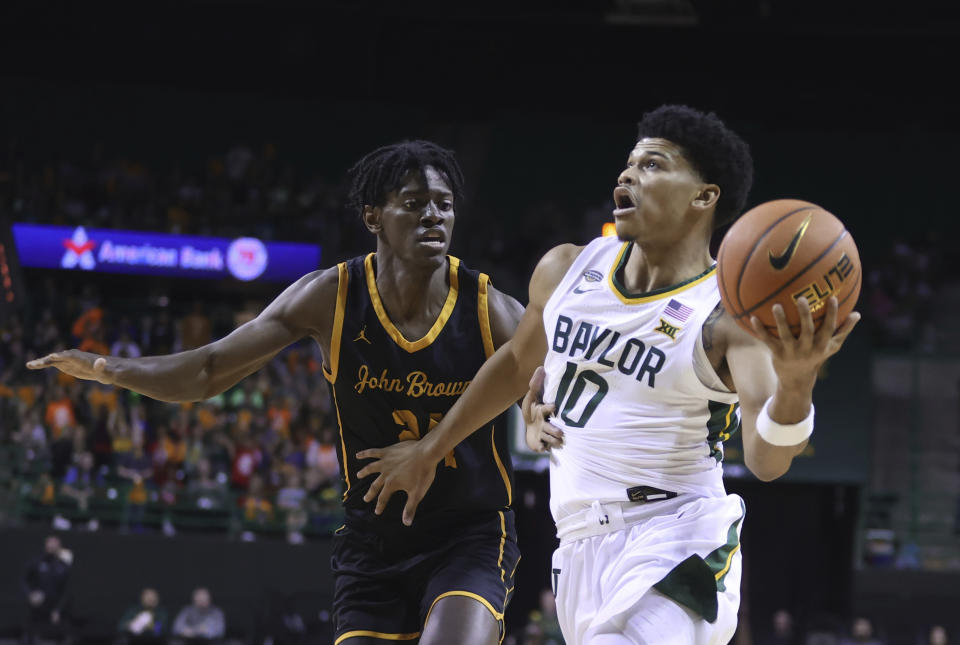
(386, 588)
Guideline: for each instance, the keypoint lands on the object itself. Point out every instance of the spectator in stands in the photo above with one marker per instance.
(146, 622)
(60, 412)
(175, 449)
(532, 634)
(199, 622)
(90, 321)
(937, 635)
(100, 441)
(34, 443)
(47, 332)
(322, 467)
(257, 508)
(162, 334)
(782, 630)
(279, 415)
(204, 491)
(79, 483)
(543, 626)
(101, 397)
(137, 467)
(138, 419)
(127, 328)
(12, 352)
(292, 500)
(194, 450)
(294, 450)
(160, 456)
(61, 452)
(44, 584)
(246, 460)
(121, 444)
(862, 633)
(196, 329)
(219, 448)
(125, 346)
(168, 500)
(43, 492)
(96, 342)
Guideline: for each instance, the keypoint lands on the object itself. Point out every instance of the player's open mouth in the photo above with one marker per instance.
(433, 238)
(624, 201)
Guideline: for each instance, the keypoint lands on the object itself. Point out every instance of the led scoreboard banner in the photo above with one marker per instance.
(147, 253)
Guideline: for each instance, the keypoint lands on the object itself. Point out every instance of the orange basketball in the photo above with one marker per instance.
(782, 250)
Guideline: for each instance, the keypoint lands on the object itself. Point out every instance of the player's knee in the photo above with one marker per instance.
(460, 619)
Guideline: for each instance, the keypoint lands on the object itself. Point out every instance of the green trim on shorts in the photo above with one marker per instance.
(695, 582)
(691, 583)
(719, 560)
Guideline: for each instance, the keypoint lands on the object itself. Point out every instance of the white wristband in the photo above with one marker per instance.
(780, 434)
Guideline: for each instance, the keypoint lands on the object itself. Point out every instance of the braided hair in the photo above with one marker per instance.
(383, 171)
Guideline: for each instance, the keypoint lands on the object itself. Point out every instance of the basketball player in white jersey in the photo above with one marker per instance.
(644, 376)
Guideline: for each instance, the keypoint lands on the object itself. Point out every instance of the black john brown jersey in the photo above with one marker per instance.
(386, 388)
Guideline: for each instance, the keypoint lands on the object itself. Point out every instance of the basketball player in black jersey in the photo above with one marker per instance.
(402, 331)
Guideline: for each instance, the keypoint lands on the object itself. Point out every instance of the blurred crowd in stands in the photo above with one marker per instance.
(147, 620)
(241, 192)
(260, 457)
(902, 298)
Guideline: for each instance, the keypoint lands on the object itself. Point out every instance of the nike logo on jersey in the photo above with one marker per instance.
(629, 358)
(589, 281)
(780, 262)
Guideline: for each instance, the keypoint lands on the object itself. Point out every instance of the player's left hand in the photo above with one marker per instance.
(404, 466)
(541, 435)
(798, 358)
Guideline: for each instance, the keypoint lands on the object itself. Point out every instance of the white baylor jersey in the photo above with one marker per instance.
(622, 370)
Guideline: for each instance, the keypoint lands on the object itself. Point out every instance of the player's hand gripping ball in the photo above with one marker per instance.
(783, 250)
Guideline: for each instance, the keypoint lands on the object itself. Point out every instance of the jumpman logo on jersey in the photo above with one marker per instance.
(363, 336)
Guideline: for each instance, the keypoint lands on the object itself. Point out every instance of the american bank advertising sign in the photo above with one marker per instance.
(146, 253)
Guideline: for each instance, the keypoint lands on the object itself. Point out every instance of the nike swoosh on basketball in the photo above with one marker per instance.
(781, 261)
(582, 290)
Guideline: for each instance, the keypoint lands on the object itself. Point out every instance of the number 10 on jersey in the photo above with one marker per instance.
(572, 387)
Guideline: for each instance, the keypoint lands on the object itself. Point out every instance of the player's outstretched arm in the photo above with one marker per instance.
(200, 373)
(780, 374)
(411, 465)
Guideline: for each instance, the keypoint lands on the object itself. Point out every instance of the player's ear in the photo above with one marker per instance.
(371, 218)
(707, 197)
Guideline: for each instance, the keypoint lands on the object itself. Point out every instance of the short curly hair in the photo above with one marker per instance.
(383, 171)
(716, 152)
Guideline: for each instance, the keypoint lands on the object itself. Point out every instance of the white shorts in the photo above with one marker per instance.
(661, 573)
